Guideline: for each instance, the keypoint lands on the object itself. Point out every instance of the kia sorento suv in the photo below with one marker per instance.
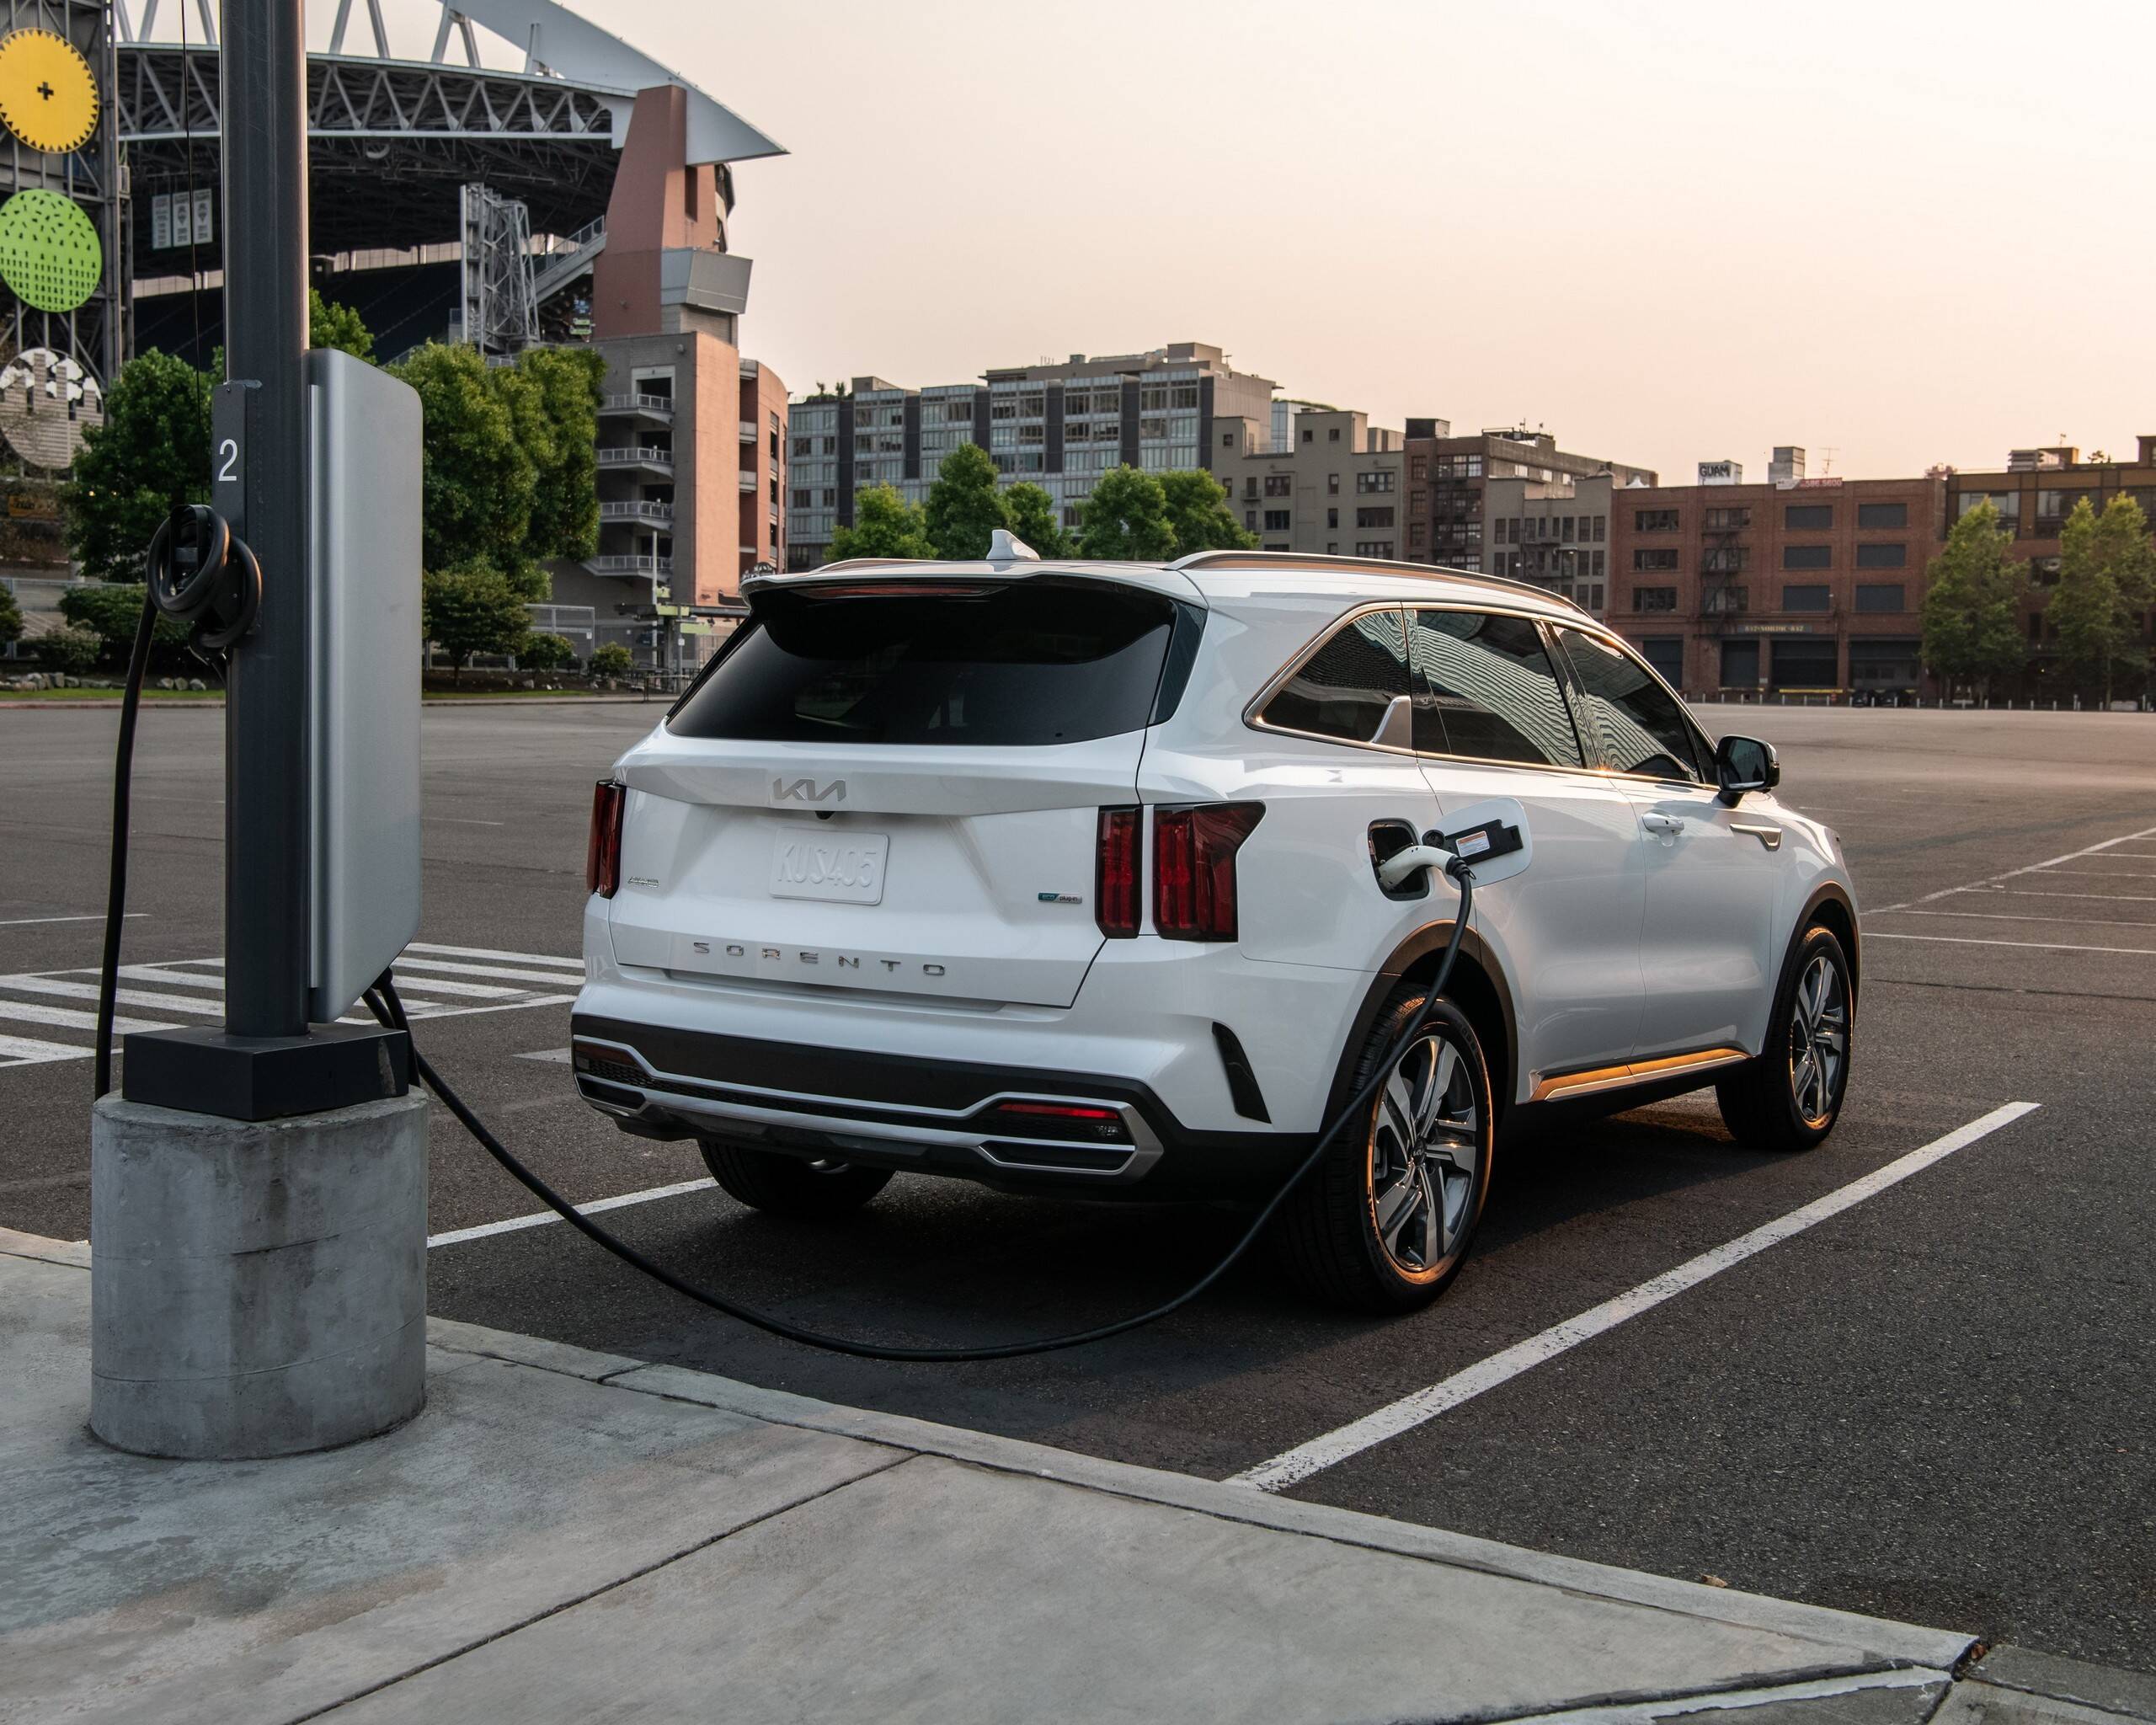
(1066, 877)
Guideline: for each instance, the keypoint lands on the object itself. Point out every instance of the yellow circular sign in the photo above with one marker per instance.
(48, 95)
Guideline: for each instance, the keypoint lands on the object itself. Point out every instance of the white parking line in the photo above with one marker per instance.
(548, 958)
(2072, 916)
(25, 922)
(2023, 892)
(1404, 1415)
(2040, 946)
(2124, 838)
(457, 1235)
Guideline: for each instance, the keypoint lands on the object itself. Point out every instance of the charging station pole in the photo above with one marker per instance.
(257, 1192)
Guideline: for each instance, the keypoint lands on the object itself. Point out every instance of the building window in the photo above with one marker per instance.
(1332, 517)
(803, 500)
(1807, 517)
(1227, 440)
(1807, 598)
(1277, 520)
(1279, 484)
(1250, 518)
(1728, 521)
(1377, 517)
(1883, 514)
(1332, 434)
(1332, 484)
(1651, 562)
(1723, 600)
(1368, 482)
(1892, 555)
(1374, 548)
(1654, 599)
(1654, 521)
(1309, 436)
(1418, 470)
(1881, 595)
(804, 446)
(1416, 534)
(1808, 557)
(1601, 532)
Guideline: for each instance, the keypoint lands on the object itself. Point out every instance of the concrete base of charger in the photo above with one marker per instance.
(259, 1288)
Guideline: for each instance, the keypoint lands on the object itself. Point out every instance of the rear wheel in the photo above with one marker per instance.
(789, 1186)
(1384, 1221)
(1789, 1098)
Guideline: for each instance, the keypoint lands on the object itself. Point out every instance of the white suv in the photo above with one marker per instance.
(1064, 877)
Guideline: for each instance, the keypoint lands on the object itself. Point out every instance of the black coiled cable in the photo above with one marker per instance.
(381, 999)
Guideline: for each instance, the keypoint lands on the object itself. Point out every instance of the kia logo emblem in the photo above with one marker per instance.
(805, 790)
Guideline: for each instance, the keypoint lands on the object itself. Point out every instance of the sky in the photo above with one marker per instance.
(1905, 233)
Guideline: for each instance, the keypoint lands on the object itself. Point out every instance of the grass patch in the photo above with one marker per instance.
(148, 695)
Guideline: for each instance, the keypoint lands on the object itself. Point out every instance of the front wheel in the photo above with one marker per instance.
(1384, 1221)
(791, 1185)
(1789, 1098)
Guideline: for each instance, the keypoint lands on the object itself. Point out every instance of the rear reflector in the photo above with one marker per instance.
(1115, 873)
(602, 853)
(1194, 868)
(1082, 1121)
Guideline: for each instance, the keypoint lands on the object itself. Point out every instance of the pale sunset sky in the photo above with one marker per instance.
(1905, 232)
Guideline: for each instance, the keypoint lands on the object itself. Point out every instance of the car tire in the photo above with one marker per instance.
(791, 1185)
(1339, 1242)
(1789, 1099)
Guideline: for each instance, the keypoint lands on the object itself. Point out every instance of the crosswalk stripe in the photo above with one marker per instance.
(27, 1051)
(32, 1012)
(421, 946)
(124, 996)
(424, 970)
(160, 973)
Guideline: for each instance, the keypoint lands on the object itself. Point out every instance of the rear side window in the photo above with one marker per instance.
(1345, 688)
(1636, 721)
(1485, 691)
(971, 665)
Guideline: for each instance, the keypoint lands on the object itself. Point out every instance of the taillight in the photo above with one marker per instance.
(1194, 868)
(1060, 1119)
(602, 854)
(1115, 873)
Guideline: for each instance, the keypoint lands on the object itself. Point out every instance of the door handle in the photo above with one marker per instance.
(1666, 826)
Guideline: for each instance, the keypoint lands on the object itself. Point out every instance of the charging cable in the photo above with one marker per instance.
(197, 572)
(381, 999)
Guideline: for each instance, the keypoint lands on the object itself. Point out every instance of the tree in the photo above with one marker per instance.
(331, 325)
(546, 653)
(885, 525)
(555, 393)
(611, 661)
(1126, 519)
(2125, 553)
(964, 505)
(1972, 629)
(112, 611)
(472, 607)
(2104, 586)
(11, 618)
(1030, 514)
(1198, 512)
(150, 456)
(477, 478)
(71, 650)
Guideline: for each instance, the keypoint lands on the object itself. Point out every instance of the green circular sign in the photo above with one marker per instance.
(48, 251)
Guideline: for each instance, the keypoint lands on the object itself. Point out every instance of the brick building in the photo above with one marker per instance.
(1808, 584)
(1448, 519)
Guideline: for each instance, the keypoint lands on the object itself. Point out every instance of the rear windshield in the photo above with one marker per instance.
(1028, 663)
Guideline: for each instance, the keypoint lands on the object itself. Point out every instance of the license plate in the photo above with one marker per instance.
(842, 868)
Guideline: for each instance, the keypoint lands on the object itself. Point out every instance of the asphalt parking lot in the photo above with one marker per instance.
(1931, 1403)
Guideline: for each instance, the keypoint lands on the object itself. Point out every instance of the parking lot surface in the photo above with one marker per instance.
(1911, 1385)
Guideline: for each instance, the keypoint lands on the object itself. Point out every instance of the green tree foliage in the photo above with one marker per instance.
(885, 525)
(329, 324)
(964, 505)
(473, 608)
(1199, 513)
(112, 611)
(478, 481)
(73, 649)
(611, 661)
(556, 394)
(11, 618)
(1973, 629)
(1029, 512)
(2104, 587)
(150, 456)
(1127, 518)
(546, 653)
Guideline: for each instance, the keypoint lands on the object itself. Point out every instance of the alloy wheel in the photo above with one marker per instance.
(1425, 1155)
(1818, 1040)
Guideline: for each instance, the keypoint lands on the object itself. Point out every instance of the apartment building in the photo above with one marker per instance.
(1808, 584)
(1318, 478)
(1448, 519)
(762, 478)
(2034, 493)
(1553, 532)
(1059, 426)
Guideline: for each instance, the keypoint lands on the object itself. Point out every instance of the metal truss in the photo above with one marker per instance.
(500, 309)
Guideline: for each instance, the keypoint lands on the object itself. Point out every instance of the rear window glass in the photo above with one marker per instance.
(1043, 662)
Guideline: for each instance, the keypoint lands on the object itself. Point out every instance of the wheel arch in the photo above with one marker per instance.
(1830, 907)
(1478, 988)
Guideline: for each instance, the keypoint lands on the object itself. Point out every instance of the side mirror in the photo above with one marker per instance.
(1745, 764)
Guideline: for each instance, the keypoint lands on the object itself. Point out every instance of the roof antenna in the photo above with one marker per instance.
(1005, 547)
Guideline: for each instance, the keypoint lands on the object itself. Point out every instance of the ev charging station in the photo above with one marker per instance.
(258, 1190)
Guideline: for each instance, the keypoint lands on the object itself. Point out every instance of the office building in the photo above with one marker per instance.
(1809, 586)
(1059, 426)
(1448, 519)
(1322, 480)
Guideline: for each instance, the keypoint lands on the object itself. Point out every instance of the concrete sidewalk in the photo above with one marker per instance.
(568, 1535)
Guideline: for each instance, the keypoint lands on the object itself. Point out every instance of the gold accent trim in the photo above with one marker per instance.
(1633, 1072)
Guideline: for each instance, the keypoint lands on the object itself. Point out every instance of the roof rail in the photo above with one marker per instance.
(1317, 561)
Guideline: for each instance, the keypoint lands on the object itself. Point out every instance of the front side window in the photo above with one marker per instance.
(1345, 689)
(1485, 689)
(1636, 722)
